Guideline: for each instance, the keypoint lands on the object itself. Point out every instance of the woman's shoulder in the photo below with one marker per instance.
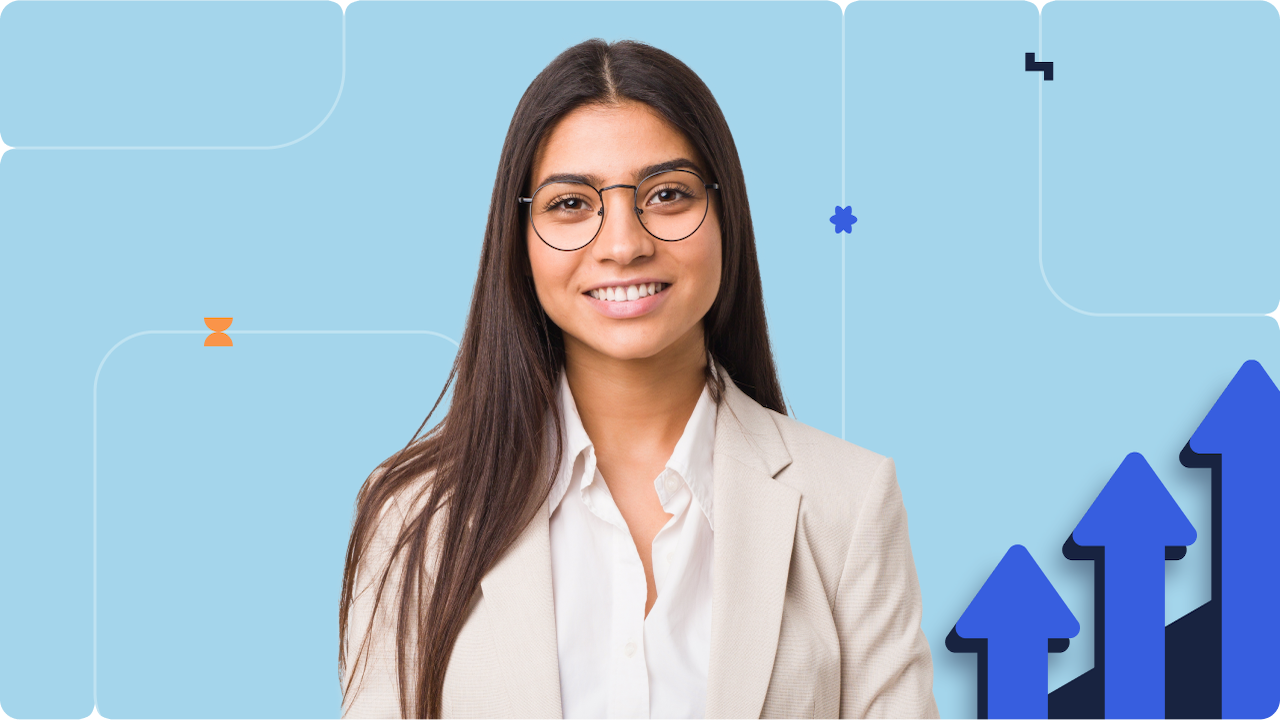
(396, 509)
(834, 476)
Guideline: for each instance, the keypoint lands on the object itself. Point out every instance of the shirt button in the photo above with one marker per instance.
(630, 649)
(671, 484)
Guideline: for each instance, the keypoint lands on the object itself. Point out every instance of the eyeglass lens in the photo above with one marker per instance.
(568, 215)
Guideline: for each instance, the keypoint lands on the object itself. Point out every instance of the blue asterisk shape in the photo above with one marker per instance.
(844, 219)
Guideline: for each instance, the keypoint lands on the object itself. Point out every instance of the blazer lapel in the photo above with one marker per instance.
(521, 610)
(755, 525)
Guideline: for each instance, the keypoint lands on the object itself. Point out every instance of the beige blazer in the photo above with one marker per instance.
(815, 604)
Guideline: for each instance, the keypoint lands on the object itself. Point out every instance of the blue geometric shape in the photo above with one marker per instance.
(1136, 520)
(1017, 610)
(844, 219)
(1243, 428)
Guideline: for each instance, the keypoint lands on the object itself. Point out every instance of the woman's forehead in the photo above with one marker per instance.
(611, 144)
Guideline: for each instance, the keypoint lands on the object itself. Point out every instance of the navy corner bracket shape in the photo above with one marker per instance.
(1033, 66)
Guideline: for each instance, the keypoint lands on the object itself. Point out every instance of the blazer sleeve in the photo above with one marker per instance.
(886, 669)
(369, 684)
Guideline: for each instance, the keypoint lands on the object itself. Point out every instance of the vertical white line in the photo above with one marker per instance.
(95, 540)
(842, 240)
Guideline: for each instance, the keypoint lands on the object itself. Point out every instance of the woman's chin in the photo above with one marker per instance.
(624, 346)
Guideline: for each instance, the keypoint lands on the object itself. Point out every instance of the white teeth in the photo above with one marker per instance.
(630, 292)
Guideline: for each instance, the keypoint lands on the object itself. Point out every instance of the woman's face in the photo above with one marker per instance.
(612, 145)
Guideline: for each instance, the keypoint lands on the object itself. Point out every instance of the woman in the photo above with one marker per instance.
(616, 518)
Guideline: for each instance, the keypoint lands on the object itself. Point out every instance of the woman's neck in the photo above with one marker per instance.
(635, 410)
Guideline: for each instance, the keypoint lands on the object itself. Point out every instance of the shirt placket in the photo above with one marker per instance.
(675, 499)
(628, 673)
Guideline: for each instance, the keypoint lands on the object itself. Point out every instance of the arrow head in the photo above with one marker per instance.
(1246, 416)
(1017, 600)
(1134, 508)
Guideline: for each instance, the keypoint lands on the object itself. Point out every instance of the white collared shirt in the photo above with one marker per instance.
(614, 661)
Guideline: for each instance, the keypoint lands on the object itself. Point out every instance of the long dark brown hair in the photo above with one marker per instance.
(486, 459)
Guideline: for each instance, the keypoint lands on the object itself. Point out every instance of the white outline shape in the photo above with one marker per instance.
(1040, 207)
(98, 374)
(342, 82)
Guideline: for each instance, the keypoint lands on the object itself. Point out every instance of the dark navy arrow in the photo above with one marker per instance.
(1017, 611)
(1032, 65)
(1136, 521)
(1243, 427)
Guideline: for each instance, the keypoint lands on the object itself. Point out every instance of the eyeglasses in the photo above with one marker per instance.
(568, 215)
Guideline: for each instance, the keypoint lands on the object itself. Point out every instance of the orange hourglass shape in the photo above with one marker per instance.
(219, 338)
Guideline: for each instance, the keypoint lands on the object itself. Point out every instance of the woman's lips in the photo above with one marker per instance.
(628, 308)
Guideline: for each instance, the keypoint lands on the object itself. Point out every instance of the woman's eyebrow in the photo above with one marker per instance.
(597, 181)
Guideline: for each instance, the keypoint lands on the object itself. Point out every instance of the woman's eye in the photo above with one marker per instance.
(569, 204)
(667, 195)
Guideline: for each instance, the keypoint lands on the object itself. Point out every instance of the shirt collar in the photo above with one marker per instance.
(692, 457)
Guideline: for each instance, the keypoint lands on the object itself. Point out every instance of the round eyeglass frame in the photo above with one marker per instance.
(635, 192)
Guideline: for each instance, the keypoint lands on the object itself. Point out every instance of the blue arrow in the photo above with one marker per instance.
(1243, 427)
(1135, 519)
(1017, 611)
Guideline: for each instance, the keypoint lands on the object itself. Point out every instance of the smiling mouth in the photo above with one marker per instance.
(628, 293)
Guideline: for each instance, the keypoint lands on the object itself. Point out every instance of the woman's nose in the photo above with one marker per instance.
(622, 236)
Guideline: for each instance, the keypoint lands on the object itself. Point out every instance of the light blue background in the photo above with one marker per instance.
(226, 476)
